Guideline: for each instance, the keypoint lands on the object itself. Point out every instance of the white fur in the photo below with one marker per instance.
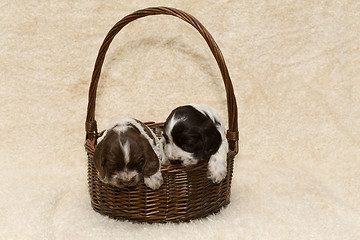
(126, 149)
(154, 181)
(102, 136)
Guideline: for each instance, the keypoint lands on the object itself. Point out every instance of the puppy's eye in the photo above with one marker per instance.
(136, 163)
(141, 159)
(140, 163)
(187, 147)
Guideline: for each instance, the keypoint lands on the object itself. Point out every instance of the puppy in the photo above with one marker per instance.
(194, 133)
(127, 151)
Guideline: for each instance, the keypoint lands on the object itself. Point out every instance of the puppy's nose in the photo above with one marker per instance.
(129, 182)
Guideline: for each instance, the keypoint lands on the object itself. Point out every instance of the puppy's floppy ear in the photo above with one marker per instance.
(211, 142)
(100, 160)
(152, 162)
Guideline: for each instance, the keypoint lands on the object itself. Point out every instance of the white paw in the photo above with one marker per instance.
(154, 181)
(217, 169)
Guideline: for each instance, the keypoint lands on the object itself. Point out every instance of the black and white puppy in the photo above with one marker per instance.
(194, 133)
(127, 151)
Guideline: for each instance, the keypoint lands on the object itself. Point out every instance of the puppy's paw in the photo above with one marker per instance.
(154, 181)
(217, 170)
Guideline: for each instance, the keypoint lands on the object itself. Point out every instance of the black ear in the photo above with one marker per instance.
(99, 160)
(211, 142)
(151, 165)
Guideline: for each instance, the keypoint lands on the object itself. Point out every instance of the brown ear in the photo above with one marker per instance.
(99, 160)
(152, 164)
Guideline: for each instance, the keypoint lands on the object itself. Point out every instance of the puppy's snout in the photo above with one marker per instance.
(170, 154)
(168, 151)
(127, 179)
(129, 182)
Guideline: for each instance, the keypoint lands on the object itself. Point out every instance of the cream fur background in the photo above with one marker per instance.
(295, 69)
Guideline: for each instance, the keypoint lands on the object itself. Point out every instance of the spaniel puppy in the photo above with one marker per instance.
(194, 133)
(128, 151)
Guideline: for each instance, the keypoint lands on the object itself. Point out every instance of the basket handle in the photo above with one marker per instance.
(90, 124)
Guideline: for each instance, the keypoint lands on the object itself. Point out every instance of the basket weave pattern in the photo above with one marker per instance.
(186, 193)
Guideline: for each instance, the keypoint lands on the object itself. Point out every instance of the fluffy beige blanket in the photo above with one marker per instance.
(295, 70)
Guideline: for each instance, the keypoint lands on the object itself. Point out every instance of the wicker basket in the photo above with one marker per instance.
(186, 193)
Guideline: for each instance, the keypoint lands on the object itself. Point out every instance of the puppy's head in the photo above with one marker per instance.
(123, 156)
(190, 136)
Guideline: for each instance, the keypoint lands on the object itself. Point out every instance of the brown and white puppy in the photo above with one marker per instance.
(127, 151)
